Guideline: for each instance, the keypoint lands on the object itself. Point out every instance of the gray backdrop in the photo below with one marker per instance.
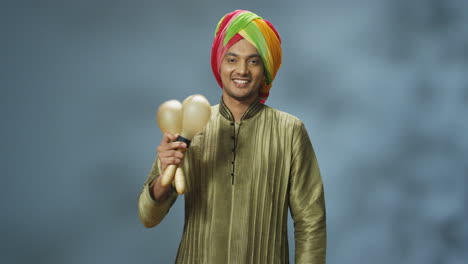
(382, 87)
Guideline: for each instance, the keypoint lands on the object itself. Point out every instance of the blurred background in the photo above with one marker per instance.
(381, 85)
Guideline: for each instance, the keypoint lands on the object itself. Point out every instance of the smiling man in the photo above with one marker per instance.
(242, 73)
(247, 167)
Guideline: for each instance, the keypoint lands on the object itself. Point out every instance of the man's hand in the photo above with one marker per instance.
(170, 152)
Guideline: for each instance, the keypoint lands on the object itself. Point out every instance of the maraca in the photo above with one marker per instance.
(195, 114)
(169, 119)
(179, 178)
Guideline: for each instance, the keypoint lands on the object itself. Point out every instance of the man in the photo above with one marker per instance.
(247, 167)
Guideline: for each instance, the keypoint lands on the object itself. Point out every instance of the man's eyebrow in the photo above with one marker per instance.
(249, 56)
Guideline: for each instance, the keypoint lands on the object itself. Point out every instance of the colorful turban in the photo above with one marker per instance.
(243, 24)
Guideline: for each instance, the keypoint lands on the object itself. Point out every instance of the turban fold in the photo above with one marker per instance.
(243, 24)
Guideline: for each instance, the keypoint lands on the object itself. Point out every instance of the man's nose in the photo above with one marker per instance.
(242, 68)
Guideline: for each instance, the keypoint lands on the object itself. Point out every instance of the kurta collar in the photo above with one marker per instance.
(253, 109)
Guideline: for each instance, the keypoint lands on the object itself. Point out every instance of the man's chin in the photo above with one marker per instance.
(241, 97)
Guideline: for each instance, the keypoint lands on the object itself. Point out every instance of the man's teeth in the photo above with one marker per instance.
(241, 81)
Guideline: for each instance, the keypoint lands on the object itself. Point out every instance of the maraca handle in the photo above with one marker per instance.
(179, 181)
(171, 172)
(168, 175)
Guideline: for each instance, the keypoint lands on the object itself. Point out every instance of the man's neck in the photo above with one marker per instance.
(237, 108)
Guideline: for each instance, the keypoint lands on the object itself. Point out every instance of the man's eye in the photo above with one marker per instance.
(254, 62)
(231, 60)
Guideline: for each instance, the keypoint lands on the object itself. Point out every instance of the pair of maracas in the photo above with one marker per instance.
(186, 119)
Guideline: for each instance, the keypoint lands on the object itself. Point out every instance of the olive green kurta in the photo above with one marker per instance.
(240, 184)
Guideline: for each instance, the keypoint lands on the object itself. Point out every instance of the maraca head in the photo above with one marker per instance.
(196, 114)
(170, 117)
(187, 99)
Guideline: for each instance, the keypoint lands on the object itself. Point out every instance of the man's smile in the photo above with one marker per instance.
(241, 83)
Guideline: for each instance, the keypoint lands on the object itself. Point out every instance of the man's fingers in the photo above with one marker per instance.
(170, 138)
(171, 146)
(167, 138)
(170, 160)
(178, 145)
(173, 137)
(172, 153)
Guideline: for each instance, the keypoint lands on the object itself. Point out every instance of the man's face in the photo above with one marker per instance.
(242, 72)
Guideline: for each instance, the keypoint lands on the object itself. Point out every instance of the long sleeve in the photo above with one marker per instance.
(306, 201)
(150, 211)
